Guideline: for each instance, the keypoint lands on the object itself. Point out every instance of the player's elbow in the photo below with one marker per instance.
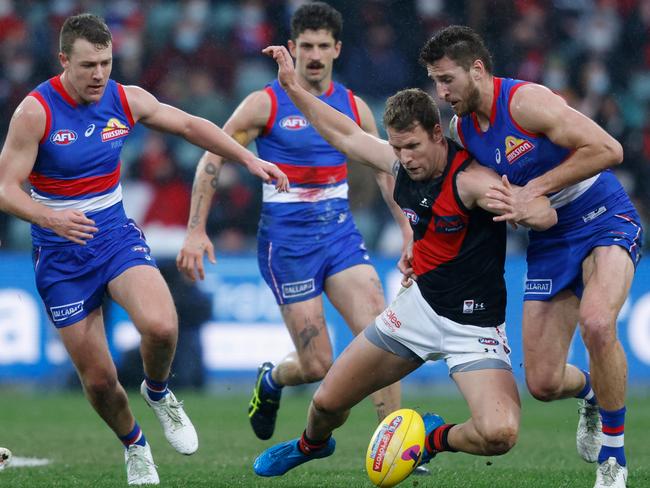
(5, 198)
(614, 152)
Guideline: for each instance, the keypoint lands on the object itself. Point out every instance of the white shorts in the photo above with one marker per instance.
(411, 322)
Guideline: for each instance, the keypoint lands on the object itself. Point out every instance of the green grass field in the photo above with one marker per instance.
(63, 428)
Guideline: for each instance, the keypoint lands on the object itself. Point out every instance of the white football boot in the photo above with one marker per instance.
(610, 474)
(140, 469)
(176, 425)
(589, 433)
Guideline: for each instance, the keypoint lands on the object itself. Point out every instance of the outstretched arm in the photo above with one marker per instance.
(16, 163)
(201, 132)
(477, 187)
(337, 129)
(537, 109)
(385, 181)
(244, 125)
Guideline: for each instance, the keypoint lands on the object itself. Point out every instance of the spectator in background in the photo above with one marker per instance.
(169, 205)
(540, 40)
(377, 67)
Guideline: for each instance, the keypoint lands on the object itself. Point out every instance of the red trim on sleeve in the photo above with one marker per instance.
(353, 106)
(510, 95)
(125, 104)
(48, 115)
(58, 87)
(274, 110)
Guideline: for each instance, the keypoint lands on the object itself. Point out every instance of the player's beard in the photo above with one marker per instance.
(473, 97)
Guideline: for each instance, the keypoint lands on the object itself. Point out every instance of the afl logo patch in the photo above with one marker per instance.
(411, 215)
(63, 137)
(294, 122)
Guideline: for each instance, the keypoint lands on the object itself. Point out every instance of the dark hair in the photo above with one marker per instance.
(410, 107)
(459, 43)
(83, 26)
(315, 16)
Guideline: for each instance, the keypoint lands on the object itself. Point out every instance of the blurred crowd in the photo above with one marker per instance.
(204, 56)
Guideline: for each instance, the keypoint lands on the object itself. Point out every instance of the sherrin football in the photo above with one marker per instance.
(5, 457)
(395, 448)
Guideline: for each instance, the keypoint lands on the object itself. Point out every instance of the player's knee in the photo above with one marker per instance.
(598, 333)
(161, 330)
(327, 402)
(544, 393)
(100, 384)
(543, 389)
(499, 438)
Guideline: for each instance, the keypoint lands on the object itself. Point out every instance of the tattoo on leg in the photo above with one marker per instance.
(307, 334)
(377, 284)
(381, 411)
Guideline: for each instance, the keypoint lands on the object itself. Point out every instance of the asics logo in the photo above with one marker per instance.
(90, 130)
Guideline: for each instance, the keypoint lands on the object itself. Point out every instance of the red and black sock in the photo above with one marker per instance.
(307, 446)
(437, 441)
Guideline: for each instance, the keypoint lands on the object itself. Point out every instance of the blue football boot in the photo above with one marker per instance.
(431, 422)
(279, 459)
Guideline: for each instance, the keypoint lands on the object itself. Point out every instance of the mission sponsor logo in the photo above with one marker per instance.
(294, 122)
(114, 130)
(63, 137)
(539, 287)
(448, 223)
(516, 148)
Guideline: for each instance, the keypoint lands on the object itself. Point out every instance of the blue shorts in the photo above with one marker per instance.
(72, 279)
(555, 256)
(296, 272)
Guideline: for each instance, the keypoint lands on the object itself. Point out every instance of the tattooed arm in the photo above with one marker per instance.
(245, 124)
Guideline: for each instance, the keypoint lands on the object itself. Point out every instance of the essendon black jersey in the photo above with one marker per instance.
(458, 253)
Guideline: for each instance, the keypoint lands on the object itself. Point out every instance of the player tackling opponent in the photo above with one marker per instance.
(66, 137)
(454, 311)
(580, 271)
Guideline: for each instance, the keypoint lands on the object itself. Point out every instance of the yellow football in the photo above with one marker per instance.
(395, 448)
